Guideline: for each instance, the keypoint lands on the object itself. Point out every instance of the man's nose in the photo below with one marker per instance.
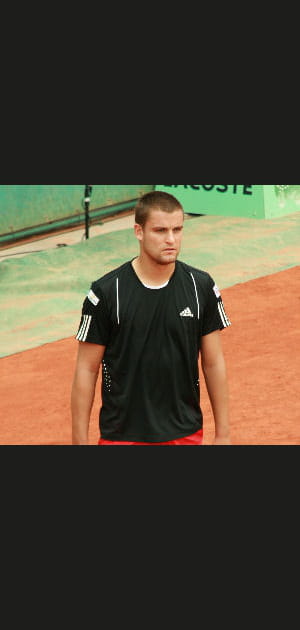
(170, 236)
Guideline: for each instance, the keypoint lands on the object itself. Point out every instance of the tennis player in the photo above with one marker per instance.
(148, 325)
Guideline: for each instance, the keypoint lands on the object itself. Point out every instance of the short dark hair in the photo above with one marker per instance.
(155, 200)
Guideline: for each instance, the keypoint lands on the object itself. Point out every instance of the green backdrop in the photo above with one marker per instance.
(256, 201)
(28, 209)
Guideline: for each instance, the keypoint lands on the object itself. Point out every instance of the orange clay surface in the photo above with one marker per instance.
(263, 361)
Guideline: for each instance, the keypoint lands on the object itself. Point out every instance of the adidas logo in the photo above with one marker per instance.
(186, 313)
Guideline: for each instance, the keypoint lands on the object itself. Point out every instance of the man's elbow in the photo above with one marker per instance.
(213, 364)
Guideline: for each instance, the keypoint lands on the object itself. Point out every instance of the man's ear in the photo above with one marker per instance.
(138, 230)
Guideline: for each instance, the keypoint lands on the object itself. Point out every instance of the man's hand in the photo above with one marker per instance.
(214, 370)
(222, 441)
(89, 358)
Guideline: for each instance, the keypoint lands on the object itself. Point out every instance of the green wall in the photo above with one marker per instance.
(256, 201)
(28, 208)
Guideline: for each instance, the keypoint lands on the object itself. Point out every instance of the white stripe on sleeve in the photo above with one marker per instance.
(88, 323)
(82, 334)
(81, 328)
(223, 315)
(228, 322)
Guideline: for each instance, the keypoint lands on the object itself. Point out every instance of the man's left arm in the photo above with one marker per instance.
(215, 374)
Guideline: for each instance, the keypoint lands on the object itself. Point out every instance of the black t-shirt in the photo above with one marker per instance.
(150, 369)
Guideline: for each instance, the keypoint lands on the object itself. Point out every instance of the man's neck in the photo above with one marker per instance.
(151, 273)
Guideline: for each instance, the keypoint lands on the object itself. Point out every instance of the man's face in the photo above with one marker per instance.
(160, 238)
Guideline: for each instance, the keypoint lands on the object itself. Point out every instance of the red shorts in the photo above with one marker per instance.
(190, 440)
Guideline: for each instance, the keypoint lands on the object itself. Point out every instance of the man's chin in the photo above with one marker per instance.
(168, 259)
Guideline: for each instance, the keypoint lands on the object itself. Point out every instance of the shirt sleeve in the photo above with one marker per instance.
(94, 326)
(214, 316)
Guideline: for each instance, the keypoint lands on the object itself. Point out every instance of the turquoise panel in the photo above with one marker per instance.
(238, 200)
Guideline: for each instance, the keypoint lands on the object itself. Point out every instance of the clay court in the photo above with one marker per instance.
(261, 347)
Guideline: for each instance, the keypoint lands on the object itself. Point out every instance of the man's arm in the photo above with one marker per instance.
(214, 370)
(89, 359)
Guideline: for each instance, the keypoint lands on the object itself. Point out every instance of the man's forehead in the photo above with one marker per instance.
(159, 217)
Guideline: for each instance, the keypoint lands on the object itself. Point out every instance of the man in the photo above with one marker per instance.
(147, 322)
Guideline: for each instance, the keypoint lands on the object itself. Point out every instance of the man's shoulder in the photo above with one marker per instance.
(200, 275)
(108, 279)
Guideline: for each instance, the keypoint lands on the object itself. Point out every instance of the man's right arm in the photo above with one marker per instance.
(89, 358)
